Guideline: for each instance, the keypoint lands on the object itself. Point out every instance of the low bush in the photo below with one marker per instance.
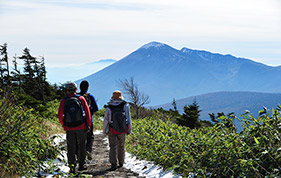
(22, 145)
(217, 151)
(97, 121)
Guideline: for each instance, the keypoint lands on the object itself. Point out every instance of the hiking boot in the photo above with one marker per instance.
(113, 167)
(82, 168)
(120, 165)
(89, 155)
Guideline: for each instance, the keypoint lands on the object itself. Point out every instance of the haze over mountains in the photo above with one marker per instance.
(165, 73)
(70, 73)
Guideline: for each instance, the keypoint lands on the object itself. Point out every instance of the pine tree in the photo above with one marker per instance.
(4, 65)
(40, 77)
(190, 117)
(174, 104)
(1, 73)
(16, 74)
(43, 71)
(29, 82)
(28, 60)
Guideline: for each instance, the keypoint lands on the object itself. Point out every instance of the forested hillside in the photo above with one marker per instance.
(28, 107)
(228, 102)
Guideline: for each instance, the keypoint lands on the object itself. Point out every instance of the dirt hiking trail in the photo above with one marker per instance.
(99, 166)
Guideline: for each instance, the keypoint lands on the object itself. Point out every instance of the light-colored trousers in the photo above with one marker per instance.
(117, 148)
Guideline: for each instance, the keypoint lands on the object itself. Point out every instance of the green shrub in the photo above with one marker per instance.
(97, 122)
(22, 147)
(217, 151)
(51, 111)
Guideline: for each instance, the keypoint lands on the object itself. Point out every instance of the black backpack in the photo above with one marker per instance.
(87, 98)
(119, 122)
(73, 112)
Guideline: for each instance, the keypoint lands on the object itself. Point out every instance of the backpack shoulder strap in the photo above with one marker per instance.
(110, 106)
(122, 104)
(77, 96)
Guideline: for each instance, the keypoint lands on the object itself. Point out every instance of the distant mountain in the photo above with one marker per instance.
(228, 102)
(104, 61)
(165, 73)
(72, 73)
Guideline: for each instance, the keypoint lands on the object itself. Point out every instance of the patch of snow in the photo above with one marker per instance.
(153, 44)
(147, 168)
(60, 162)
(59, 138)
(98, 132)
(142, 167)
(61, 165)
(186, 50)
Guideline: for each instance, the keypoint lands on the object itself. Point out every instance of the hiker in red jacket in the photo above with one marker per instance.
(75, 117)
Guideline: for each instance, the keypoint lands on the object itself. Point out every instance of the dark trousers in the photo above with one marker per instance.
(90, 139)
(76, 142)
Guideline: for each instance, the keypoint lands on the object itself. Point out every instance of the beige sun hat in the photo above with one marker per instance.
(117, 95)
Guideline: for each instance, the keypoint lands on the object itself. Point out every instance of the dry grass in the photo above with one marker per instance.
(53, 128)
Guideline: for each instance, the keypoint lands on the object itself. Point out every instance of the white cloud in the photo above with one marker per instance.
(94, 29)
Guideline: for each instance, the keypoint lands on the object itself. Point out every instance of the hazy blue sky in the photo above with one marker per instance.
(68, 32)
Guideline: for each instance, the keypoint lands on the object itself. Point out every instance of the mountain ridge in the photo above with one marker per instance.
(165, 73)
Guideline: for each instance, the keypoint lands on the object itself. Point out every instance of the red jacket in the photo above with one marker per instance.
(85, 108)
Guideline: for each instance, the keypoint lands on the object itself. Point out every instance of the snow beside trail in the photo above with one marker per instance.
(59, 164)
(145, 168)
(142, 167)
